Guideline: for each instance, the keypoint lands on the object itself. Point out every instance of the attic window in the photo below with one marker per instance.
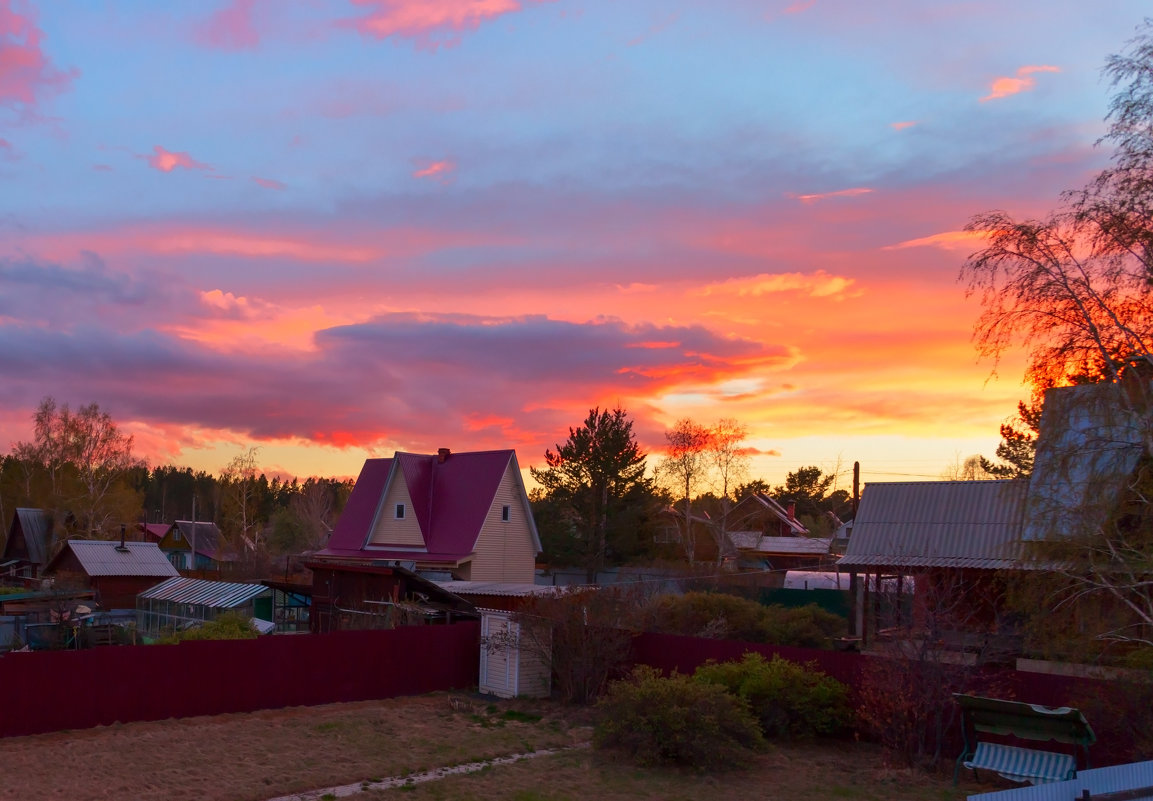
(176, 535)
(505, 513)
(400, 511)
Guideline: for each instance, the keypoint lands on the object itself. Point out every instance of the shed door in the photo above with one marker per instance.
(262, 608)
(495, 661)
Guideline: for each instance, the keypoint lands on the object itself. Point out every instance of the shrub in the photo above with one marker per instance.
(227, 626)
(703, 614)
(676, 720)
(791, 701)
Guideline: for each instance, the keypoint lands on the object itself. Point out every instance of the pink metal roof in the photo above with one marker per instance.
(450, 500)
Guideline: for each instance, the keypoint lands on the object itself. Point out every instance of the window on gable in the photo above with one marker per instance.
(505, 513)
(400, 511)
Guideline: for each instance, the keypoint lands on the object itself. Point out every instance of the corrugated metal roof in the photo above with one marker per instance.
(938, 524)
(37, 533)
(202, 592)
(495, 588)
(794, 545)
(105, 558)
(1090, 443)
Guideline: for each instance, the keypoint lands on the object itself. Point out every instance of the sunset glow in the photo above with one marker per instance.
(338, 229)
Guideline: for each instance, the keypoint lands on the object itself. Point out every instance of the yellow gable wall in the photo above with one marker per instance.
(389, 530)
(504, 550)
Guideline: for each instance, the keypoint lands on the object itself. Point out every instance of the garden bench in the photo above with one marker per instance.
(993, 716)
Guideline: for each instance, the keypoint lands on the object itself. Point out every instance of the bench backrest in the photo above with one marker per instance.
(1026, 721)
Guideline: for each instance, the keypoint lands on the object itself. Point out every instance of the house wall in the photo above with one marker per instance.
(504, 549)
(119, 592)
(389, 530)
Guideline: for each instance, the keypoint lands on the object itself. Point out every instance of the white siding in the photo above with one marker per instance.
(494, 664)
(504, 549)
(510, 671)
(389, 530)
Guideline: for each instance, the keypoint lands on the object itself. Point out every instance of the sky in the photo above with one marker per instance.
(333, 229)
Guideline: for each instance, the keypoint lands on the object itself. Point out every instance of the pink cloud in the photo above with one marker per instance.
(655, 29)
(854, 192)
(230, 28)
(439, 170)
(421, 20)
(1005, 86)
(900, 126)
(7, 152)
(102, 168)
(26, 74)
(268, 183)
(167, 161)
(799, 6)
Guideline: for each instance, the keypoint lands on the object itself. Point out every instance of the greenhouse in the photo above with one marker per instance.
(180, 603)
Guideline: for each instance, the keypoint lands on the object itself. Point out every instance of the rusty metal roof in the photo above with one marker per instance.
(973, 524)
(109, 558)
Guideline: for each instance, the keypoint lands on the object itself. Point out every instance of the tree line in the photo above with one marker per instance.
(599, 505)
(80, 468)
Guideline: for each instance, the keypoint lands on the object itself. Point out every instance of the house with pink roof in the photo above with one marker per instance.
(459, 515)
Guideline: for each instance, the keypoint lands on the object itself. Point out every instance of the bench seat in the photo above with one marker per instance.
(1023, 764)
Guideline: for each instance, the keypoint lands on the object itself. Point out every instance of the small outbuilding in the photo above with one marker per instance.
(181, 603)
(512, 662)
(116, 571)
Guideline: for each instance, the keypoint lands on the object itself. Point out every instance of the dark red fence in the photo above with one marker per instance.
(1119, 712)
(54, 690)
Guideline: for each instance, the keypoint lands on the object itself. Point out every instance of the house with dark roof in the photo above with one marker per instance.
(185, 537)
(29, 545)
(462, 516)
(116, 571)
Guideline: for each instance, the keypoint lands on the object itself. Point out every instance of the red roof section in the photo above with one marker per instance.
(352, 528)
(450, 500)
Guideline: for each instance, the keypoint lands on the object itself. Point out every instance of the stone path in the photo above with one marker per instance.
(346, 790)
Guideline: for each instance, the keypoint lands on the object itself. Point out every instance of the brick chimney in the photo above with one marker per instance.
(792, 511)
(442, 455)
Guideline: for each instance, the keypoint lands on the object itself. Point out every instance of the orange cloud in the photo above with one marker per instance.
(1005, 86)
(900, 126)
(442, 170)
(266, 247)
(818, 285)
(167, 161)
(948, 240)
(854, 192)
(268, 183)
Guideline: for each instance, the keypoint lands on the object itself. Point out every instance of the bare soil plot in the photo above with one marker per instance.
(259, 755)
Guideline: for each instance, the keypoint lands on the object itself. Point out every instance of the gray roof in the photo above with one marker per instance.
(799, 546)
(105, 558)
(1090, 443)
(938, 524)
(508, 588)
(37, 533)
(207, 539)
(758, 503)
(202, 592)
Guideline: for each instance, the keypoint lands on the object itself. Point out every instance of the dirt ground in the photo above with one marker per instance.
(250, 757)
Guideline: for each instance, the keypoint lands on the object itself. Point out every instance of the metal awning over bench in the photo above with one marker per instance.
(994, 716)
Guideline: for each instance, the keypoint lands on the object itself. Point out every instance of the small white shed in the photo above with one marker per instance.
(509, 665)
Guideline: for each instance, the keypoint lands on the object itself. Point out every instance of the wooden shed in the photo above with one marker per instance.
(510, 665)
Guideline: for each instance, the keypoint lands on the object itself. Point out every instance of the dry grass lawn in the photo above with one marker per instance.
(792, 772)
(247, 757)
